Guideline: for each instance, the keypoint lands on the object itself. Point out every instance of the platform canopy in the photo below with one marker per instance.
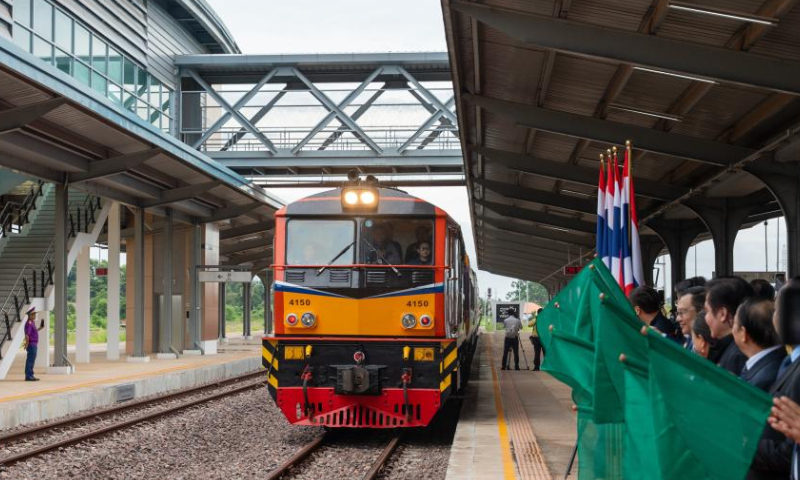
(55, 129)
(707, 93)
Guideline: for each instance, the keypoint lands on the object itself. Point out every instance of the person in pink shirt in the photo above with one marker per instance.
(32, 342)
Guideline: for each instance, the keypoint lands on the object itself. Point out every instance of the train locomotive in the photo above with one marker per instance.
(375, 309)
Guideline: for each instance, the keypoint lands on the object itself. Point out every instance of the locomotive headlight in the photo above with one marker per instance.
(351, 197)
(308, 320)
(409, 321)
(367, 197)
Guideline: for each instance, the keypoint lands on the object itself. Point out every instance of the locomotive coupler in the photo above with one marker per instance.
(307, 375)
(406, 379)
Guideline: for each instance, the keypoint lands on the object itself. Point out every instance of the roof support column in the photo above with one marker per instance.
(222, 305)
(112, 305)
(138, 288)
(783, 181)
(247, 299)
(267, 279)
(723, 221)
(82, 310)
(651, 247)
(165, 319)
(678, 237)
(194, 288)
(60, 362)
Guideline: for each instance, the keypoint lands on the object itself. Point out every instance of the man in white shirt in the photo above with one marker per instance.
(511, 342)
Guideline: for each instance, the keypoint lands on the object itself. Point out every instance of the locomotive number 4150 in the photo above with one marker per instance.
(417, 303)
(300, 302)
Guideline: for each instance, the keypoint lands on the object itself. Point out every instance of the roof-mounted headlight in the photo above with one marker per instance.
(360, 198)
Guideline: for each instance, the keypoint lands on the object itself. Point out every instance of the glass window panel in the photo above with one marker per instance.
(64, 61)
(82, 41)
(99, 54)
(115, 92)
(22, 38)
(99, 83)
(154, 92)
(141, 82)
(129, 102)
(141, 110)
(129, 74)
(63, 31)
(43, 19)
(407, 241)
(42, 49)
(81, 72)
(22, 12)
(155, 118)
(165, 95)
(114, 66)
(317, 242)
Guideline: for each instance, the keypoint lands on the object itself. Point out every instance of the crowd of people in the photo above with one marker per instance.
(752, 330)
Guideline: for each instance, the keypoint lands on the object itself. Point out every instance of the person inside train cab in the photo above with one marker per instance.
(423, 234)
(384, 250)
(423, 256)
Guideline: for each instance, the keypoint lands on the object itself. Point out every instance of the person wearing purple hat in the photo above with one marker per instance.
(32, 342)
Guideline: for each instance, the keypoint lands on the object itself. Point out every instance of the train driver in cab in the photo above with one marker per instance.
(423, 256)
(384, 250)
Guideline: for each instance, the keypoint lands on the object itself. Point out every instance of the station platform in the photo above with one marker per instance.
(513, 424)
(100, 382)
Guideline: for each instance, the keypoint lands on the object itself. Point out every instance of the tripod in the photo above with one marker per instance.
(524, 357)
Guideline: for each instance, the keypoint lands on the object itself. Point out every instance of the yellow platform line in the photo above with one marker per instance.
(502, 427)
(104, 380)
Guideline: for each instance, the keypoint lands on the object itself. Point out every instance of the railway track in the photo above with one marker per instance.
(102, 415)
(302, 454)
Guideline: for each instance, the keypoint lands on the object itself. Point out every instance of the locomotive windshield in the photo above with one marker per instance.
(320, 242)
(400, 241)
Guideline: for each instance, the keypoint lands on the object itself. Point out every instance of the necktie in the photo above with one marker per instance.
(795, 464)
(784, 365)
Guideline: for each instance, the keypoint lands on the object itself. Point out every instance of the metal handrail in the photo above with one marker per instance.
(23, 209)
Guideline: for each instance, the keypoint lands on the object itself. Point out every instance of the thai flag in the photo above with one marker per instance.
(609, 200)
(617, 234)
(636, 249)
(602, 253)
(627, 281)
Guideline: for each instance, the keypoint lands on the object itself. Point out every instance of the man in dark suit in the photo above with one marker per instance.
(647, 305)
(756, 337)
(723, 297)
(775, 452)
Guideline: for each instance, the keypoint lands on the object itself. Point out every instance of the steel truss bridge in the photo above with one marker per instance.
(290, 120)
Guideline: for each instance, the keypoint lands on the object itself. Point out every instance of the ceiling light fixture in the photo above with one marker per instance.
(649, 113)
(724, 13)
(574, 193)
(676, 75)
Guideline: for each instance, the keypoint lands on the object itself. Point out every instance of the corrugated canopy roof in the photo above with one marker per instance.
(544, 87)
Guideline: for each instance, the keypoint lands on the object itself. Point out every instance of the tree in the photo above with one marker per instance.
(528, 291)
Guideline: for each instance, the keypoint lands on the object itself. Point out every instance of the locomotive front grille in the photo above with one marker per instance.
(339, 276)
(295, 276)
(376, 277)
(422, 277)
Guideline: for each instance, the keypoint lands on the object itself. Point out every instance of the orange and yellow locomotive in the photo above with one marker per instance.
(375, 309)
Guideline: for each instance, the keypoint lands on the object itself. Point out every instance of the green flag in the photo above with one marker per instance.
(712, 418)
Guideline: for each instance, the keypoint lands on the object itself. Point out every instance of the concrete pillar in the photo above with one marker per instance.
(222, 301)
(783, 181)
(165, 317)
(138, 289)
(247, 297)
(268, 301)
(651, 248)
(43, 355)
(112, 305)
(677, 235)
(194, 292)
(60, 362)
(82, 303)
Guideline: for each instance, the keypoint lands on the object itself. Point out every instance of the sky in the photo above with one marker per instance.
(348, 26)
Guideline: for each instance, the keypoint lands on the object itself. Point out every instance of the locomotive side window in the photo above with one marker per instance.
(320, 242)
(397, 241)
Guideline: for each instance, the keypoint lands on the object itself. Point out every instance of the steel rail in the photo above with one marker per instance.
(373, 472)
(121, 408)
(298, 457)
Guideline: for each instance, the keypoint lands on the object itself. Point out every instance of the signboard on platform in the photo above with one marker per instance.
(503, 310)
(225, 277)
(101, 271)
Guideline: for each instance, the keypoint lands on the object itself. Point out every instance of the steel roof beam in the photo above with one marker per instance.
(546, 257)
(114, 165)
(252, 257)
(338, 158)
(575, 173)
(540, 232)
(244, 230)
(535, 271)
(18, 117)
(640, 49)
(234, 211)
(183, 193)
(541, 197)
(605, 131)
(243, 246)
(519, 241)
(518, 213)
(532, 261)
